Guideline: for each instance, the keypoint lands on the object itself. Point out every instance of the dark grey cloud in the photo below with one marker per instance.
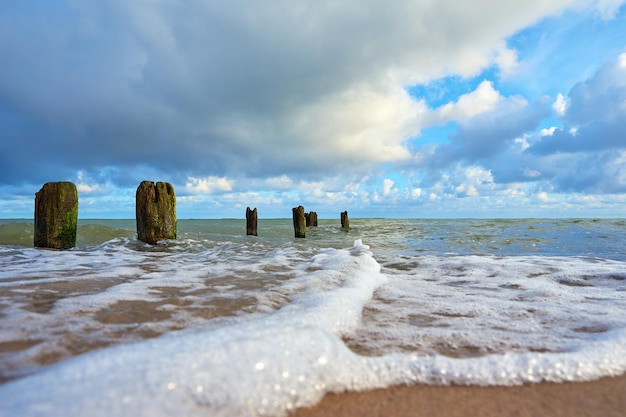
(485, 137)
(600, 98)
(594, 173)
(595, 119)
(596, 136)
(225, 88)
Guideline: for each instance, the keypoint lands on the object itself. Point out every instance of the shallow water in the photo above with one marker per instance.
(222, 323)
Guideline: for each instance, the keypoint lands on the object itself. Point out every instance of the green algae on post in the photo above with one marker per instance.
(155, 211)
(56, 215)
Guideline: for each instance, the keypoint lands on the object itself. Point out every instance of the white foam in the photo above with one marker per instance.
(267, 368)
(265, 365)
(474, 306)
(235, 371)
(605, 356)
(275, 360)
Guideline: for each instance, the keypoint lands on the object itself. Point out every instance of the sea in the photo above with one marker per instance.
(217, 323)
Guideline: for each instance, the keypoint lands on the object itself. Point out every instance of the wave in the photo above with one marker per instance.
(97, 234)
(21, 234)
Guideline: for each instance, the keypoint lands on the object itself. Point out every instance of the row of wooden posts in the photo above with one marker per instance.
(56, 215)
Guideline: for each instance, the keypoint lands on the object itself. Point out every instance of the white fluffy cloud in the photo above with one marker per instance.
(483, 99)
(208, 185)
(560, 105)
(387, 186)
(85, 185)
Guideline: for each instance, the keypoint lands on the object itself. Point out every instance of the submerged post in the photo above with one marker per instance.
(299, 221)
(56, 215)
(155, 211)
(251, 222)
(345, 222)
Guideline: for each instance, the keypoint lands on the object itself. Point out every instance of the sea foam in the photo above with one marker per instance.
(339, 320)
(263, 365)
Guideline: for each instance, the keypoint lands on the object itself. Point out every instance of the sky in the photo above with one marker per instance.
(383, 108)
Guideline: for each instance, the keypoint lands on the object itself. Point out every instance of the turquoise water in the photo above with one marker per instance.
(567, 237)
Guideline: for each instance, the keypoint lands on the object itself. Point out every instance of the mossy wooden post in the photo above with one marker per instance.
(56, 215)
(299, 221)
(155, 212)
(251, 222)
(345, 222)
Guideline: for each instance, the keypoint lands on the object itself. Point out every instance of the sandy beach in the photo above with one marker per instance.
(605, 397)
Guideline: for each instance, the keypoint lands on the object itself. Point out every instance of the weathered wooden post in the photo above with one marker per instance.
(299, 221)
(251, 222)
(345, 222)
(56, 215)
(155, 212)
(311, 219)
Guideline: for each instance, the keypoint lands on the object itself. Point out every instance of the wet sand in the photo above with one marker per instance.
(605, 397)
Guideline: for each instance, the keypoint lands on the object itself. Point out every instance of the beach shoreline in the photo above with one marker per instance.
(604, 397)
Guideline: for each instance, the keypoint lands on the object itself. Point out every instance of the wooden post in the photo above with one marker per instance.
(155, 212)
(56, 215)
(311, 219)
(345, 222)
(251, 222)
(299, 221)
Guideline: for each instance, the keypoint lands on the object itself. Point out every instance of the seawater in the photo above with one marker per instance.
(219, 323)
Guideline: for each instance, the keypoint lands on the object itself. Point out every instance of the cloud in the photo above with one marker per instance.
(387, 186)
(502, 149)
(491, 132)
(596, 114)
(484, 137)
(283, 182)
(507, 61)
(591, 173)
(208, 185)
(416, 193)
(483, 99)
(543, 196)
(87, 185)
(608, 8)
(199, 89)
(289, 102)
(600, 98)
(560, 105)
